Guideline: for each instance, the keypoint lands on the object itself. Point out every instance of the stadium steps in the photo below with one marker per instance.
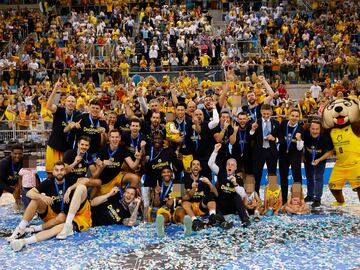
(297, 91)
(30, 6)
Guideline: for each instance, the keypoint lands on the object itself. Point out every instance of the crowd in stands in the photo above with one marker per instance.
(180, 129)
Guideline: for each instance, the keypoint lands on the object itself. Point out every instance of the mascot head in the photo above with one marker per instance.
(341, 112)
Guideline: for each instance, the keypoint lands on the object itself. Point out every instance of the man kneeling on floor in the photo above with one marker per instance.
(200, 199)
(168, 204)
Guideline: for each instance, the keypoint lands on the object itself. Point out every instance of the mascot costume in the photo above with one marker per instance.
(342, 117)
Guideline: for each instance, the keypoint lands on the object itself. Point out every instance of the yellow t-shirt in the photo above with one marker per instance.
(124, 67)
(347, 146)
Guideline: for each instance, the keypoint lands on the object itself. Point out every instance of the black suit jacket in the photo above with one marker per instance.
(257, 137)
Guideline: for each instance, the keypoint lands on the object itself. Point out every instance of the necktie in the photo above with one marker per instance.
(266, 132)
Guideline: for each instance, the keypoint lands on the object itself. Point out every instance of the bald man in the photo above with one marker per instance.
(62, 135)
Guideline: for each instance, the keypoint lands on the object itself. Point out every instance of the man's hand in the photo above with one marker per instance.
(113, 191)
(137, 200)
(77, 124)
(67, 195)
(254, 126)
(143, 144)
(298, 136)
(315, 162)
(101, 129)
(78, 159)
(107, 162)
(206, 181)
(226, 124)
(194, 185)
(217, 147)
(236, 128)
(271, 137)
(233, 180)
(46, 199)
(99, 163)
(157, 188)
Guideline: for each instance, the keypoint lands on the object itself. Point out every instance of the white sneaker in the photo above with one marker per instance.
(17, 244)
(187, 225)
(160, 227)
(65, 232)
(16, 234)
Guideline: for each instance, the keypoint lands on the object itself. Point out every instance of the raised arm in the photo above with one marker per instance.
(50, 103)
(212, 165)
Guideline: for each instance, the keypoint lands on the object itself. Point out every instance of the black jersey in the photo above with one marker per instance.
(59, 140)
(81, 168)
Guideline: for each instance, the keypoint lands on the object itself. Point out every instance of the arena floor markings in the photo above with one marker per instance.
(328, 239)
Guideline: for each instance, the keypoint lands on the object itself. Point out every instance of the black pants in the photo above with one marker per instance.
(285, 161)
(265, 156)
(234, 206)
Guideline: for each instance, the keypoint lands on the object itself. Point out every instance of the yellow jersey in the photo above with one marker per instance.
(347, 146)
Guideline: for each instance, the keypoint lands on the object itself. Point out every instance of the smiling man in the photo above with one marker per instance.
(50, 200)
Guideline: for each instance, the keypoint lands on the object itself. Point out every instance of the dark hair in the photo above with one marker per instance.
(266, 107)
(195, 160)
(95, 102)
(59, 163)
(135, 120)
(84, 138)
(181, 104)
(295, 110)
(16, 146)
(166, 168)
(131, 187)
(242, 113)
(115, 130)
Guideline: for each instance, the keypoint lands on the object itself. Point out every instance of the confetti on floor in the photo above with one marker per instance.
(328, 238)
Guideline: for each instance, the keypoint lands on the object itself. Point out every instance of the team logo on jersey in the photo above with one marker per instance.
(339, 138)
(80, 165)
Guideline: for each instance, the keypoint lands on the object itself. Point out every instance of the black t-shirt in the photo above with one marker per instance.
(226, 189)
(132, 144)
(157, 161)
(58, 139)
(81, 168)
(208, 116)
(243, 138)
(202, 190)
(185, 127)
(165, 193)
(110, 172)
(113, 211)
(149, 132)
(122, 123)
(253, 113)
(89, 129)
(9, 173)
(286, 132)
(202, 144)
(321, 145)
(224, 150)
(49, 188)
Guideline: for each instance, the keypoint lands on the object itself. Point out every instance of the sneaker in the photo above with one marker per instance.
(16, 234)
(246, 224)
(226, 225)
(197, 225)
(17, 244)
(215, 219)
(257, 218)
(187, 225)
(65, 232)
(308, 199)
(316, 203)
(337, 204)
(160, 227)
